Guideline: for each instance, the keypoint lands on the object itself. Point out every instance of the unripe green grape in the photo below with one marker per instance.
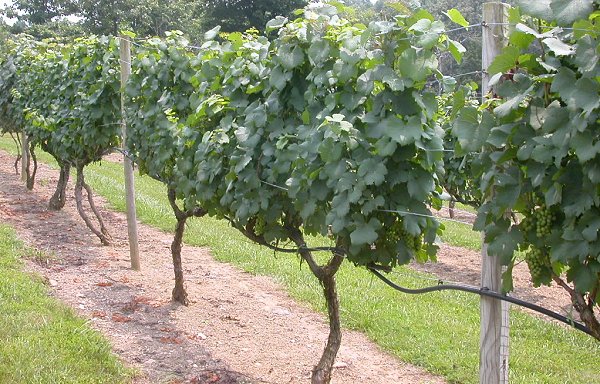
(259, 226)
(538, 261)
(397, 233)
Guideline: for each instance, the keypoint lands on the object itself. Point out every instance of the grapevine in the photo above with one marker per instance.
(539, 153)
(66, 101)
(324, 130)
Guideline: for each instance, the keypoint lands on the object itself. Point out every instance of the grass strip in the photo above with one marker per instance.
(438, 331)
(41, 340)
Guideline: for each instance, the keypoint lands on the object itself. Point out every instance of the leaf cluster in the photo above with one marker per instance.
(326, 128)
(65, 97)
(540, 142)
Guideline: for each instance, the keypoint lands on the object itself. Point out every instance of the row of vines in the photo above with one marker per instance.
(325, 128)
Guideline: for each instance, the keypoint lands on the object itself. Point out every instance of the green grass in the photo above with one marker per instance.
(460, 234)
(439, 331)
(41, 340)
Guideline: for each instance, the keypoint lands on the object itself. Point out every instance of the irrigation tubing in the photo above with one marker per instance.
(482, 292)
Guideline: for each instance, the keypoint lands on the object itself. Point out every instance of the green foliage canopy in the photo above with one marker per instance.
(537, 149)
(326, 127)
(65, 97)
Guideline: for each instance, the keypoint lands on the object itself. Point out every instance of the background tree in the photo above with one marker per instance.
(366, 11)
(3, 33)
(52, 18)
(37, 12)
(240, 15)
(41, 18)
(145, 18)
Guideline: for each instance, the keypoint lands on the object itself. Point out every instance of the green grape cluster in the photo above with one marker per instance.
(260, 226)
(543, 221)
(538, 261)
(540, 220)
(527, 224)
(417, 243)
(398, 233)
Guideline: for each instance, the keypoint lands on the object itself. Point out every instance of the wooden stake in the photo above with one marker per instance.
(127, 164)
(493, 360)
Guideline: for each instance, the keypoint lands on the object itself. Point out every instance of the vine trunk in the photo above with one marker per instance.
(179, 293)
(31, 173)
(79, 186)
(58, 199)
(584, 307)
(321, 373)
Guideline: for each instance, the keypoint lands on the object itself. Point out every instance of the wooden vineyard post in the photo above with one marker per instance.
(132, 230)
(493, 347)
(24, 156)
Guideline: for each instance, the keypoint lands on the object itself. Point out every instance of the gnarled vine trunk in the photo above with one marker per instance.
(17, 141)
(583, 306)
(179, 293)
(321, 373)
(451, 206)
(102, 234)
(31, 172)
(58, 199)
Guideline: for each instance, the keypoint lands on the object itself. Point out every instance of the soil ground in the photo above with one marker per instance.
(239, 328)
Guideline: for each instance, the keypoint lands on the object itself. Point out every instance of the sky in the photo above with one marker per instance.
(3, 3)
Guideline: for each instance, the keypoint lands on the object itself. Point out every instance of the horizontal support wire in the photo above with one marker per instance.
(482, 292)
(194, 47)
(468, 74)
(464, 27)
(274, 185)
(389, 210)
(466, 213)
(424, 215)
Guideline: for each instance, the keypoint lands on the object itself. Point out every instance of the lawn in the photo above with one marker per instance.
(41, 340)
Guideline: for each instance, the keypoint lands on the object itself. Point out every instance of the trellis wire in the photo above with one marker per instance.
(423, 215)
(467, 213)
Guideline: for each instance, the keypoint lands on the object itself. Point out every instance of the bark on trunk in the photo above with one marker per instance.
(90, 197)
(589, 318)
(321, 373)
(57, 201)
(31, 173)
(451, 206)
(17, 141)
(17, 164)
(79, 186)
(584, 307)
(179, 293)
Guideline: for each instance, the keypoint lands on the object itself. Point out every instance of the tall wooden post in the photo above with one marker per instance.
(127, 164)
(493, 358)
(24, 156)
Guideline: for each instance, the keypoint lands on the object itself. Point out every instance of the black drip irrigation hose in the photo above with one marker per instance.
(482, 292)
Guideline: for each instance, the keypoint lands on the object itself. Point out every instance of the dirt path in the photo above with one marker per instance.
(240, 329)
